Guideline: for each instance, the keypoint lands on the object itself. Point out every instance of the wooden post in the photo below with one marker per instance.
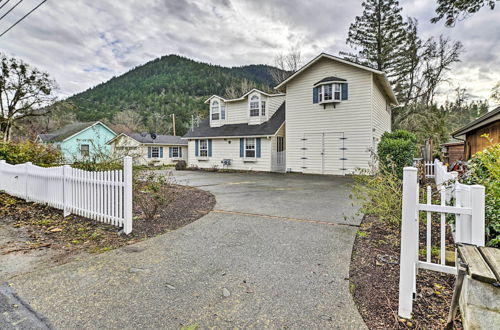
(409, 238)
(478, 210)
(173, 123)
(127, 194)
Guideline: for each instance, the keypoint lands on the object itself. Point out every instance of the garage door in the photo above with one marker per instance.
(324, 153)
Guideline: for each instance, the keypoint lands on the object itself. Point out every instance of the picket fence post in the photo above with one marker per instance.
(409, 242)
(67, 189)
(27, 166)
(478, 210)
(127, 194)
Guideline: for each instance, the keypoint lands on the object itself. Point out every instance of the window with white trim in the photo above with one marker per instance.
(222, 112)
(250, 147)
(155, 152)
(85, 150)
(203, 148)
(254, 106)
(329, 93)
(175, 152)
(263, 108)
(215, 110)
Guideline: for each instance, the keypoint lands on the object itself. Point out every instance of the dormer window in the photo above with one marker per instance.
(254, 106)
(329, 90)
(216, 110)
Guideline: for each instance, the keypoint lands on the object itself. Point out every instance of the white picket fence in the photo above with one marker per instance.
(429, 170)
(105, 196)
(469, 227)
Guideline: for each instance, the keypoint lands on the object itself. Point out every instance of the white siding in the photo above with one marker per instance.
(126, 146)
(237, 112)
(273, 103)
(350, 119)
(381, 113)
(230, 149)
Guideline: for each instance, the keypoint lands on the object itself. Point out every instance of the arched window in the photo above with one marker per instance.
(254, 106)
(215, 110)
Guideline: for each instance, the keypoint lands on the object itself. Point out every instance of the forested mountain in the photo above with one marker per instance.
(167, 85)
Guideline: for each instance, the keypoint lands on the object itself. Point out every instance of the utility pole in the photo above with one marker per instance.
(173, 123)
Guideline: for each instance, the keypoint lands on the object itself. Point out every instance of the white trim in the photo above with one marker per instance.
(385, 83)
(83, 130)
(241, 98)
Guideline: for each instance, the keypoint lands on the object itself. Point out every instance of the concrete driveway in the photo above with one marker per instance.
(274, 253)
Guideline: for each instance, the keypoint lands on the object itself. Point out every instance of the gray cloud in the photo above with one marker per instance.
(82, 43)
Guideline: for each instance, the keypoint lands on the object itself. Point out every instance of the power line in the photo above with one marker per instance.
(32, 10)
(6, 2)
(11, 9)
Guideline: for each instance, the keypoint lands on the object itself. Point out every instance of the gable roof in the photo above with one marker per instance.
(379, 74)
(69, 131)
(485, 119)
(243, 97)
(267, 128)
(160, 139)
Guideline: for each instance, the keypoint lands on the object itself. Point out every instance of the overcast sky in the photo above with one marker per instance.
(82, 43)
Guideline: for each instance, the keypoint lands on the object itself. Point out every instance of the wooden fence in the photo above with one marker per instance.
(105, 196)
(469, 227)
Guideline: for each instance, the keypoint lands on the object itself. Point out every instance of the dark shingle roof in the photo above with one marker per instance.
(160, 139)
(65, 132)
(470, 127)
(270, 127)
(329, 79)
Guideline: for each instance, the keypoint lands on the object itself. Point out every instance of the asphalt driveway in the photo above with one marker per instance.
(273, 254)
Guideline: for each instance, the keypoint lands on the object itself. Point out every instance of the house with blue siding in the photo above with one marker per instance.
(81, 141)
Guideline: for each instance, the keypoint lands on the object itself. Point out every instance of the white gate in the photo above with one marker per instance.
(469, 228)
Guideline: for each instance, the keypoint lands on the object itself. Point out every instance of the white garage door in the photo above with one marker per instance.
(324, 153)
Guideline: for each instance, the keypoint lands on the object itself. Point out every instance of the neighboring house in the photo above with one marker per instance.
(471, 133)
(150, 149)
(326, 119)
(453, 152)
(80, 141)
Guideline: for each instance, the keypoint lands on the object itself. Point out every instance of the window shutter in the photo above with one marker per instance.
(316, 94)
(344, 91)
(149, 152)
(242, 146)
(257, 147)
(161, 152)
(170, 152)
(196, 146)
(209, 148)
(180, 152)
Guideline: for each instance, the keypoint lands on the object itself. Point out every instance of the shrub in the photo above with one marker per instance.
(181, 165)
(484, 169)
(396, 148)
(380, 194)
(154, 191)
(27, 151)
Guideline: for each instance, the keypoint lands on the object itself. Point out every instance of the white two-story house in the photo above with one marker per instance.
(324, 119)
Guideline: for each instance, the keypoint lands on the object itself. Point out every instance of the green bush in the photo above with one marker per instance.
(484, 169)
(27, 151)
(396, 149)
(181, 165)
(380, 195)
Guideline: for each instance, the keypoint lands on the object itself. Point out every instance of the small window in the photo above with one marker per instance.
(85, 150)
(337, 94)
(250, 148)
(203, 148)
(215, 110)
(254, 106)
(175, 152)
(223, 112)
(263, 108)
(155, 152)
(328, 89)
(329, 92)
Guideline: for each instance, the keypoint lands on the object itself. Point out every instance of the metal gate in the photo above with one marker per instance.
(324, 153)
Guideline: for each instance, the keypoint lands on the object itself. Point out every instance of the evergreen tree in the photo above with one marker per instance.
(378, 35)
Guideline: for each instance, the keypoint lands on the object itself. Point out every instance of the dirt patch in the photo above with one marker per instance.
(34, 235)
(374, 275)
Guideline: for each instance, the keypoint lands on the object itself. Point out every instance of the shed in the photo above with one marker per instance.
(471, 133)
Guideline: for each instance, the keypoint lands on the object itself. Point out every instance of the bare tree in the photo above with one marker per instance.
(127, 121)
(25, 92)
(495, 93)
(285, 65)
